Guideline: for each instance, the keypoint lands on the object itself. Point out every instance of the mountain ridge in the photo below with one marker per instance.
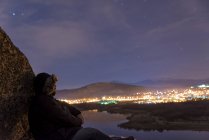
(100, 89)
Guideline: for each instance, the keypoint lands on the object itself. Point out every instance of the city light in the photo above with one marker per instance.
(150, 97)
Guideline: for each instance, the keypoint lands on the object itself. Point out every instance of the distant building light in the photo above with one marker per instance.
(203, 86)
(103, 98)
(104, 102)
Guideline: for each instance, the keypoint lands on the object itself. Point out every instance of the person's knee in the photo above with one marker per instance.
(92, 130)
(88, 130)
(90, 134)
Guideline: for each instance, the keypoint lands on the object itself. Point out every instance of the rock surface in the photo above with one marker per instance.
(16, 89)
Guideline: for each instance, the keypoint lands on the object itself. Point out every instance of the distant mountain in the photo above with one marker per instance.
(99, 90)
(171, 83)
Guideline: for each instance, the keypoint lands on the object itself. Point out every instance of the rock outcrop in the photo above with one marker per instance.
(16, 89)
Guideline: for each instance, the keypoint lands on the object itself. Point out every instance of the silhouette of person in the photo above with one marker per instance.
(50, 119)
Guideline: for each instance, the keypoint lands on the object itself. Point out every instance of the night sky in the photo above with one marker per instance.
(87, 41)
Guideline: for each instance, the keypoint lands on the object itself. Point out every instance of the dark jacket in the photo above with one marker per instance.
(52, 119)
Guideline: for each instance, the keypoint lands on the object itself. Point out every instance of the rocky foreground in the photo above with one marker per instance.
(16, 89)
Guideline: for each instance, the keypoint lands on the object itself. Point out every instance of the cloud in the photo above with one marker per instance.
(110, 12)
(53, 2)
(192, 7)
(55, 41)
(191, 27)
(203, 24)
(72, 22)
(58, 30)
(169, 28)
(193, 20)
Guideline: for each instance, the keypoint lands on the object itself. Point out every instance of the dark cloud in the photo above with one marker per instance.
(108, 40)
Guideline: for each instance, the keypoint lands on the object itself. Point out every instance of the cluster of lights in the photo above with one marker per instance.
(107, 102)
(203, 86)
(82, 100)
(174, 95)
(165, 96)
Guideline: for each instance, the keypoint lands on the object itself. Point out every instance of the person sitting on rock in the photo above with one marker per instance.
(51, 119)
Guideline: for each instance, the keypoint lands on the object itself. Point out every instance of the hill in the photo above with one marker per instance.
(99, 89)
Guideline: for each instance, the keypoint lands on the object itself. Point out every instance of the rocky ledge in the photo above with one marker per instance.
(16, 77)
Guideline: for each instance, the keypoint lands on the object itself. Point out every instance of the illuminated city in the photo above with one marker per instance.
(151, 97)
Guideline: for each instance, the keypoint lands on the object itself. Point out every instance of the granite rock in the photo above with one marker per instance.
(16, 90)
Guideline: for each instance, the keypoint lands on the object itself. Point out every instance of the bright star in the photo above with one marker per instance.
(13, 14)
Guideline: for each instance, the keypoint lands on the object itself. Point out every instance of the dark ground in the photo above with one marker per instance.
(192, 115)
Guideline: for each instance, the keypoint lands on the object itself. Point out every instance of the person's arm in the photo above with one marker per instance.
(81, 117)
(71, 108)
(74, 111)
(54, 112)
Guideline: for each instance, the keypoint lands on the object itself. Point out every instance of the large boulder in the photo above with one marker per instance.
(16, 76)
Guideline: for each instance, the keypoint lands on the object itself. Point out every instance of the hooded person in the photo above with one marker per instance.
(50, 119)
